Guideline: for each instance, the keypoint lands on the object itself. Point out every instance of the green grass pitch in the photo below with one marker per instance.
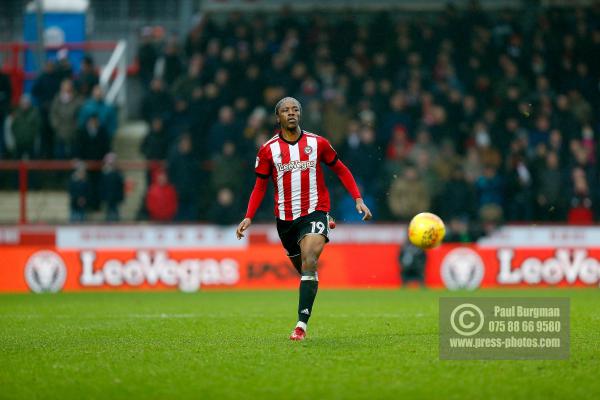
(234, 345)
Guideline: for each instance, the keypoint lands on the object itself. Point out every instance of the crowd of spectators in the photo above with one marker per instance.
(474, 115)
(65, 117)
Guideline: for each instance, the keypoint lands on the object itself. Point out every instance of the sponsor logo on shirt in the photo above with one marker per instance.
(292, 165)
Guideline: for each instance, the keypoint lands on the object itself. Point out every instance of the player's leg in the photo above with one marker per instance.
(311, 247)
(289, 240)
(297, 263)
(311, 234)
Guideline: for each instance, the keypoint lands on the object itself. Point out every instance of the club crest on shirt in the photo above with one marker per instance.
(308, 150)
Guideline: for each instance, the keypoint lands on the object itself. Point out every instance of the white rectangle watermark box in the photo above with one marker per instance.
(504, 328)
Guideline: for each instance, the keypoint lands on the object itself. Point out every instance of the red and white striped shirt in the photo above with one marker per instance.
(297, 173)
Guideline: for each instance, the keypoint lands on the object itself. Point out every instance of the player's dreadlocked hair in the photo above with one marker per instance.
(280, 102)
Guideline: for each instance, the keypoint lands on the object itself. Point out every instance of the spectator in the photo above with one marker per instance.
(96, 105)
(397, 116)
(183, 172)
(256, 124)
(397, 153)
(412, 264)
(147, 56)
(161, 199)
(64, 69)
(408, 195)
(580, 212)
(78, 193)
(519, 190)
(427, 173)
(157, 102)
(5, 98)
(336, 115)
(423, 144)
(540, 133)
(549, 197)
(226, 129)
(228, 169)
(155, 144)
(93, 142)
(111, 187)
(44, 90)
(457, 197)
(168, 66)
(25, 128)
(360, 153)
(225, 210)
(63, 118)
(87, 77)
(180, 120)
(253, 86)
(490, 193)
(185, 84)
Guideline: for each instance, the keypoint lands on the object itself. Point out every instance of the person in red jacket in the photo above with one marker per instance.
(161, 200)
(293, 159)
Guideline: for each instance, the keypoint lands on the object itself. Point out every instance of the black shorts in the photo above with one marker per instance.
(292, 232)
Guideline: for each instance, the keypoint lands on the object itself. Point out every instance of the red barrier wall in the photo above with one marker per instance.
(265, 266)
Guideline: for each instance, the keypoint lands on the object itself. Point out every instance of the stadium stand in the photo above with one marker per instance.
(504, 128)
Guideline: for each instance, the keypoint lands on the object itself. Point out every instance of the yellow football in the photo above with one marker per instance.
(426, 230)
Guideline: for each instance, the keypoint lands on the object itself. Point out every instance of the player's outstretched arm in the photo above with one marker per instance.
(258, 193)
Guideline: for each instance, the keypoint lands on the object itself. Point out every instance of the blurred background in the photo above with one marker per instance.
(480, 111)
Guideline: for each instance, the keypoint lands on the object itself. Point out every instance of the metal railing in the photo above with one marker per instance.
(115, 89)
(24, 167)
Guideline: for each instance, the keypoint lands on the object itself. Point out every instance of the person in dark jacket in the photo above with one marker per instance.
(183, 171)
(44, 90)
(87, 77)
(111, 187)
(412, 264)
(226, 128)
(225, 209)
(155, 145)
(78, 193)
(26, 125)
(457, 196)
(157, 102)
(146, 56)
(93, 144)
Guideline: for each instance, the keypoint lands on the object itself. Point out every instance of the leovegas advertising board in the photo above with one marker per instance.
(259, 266)
(471, 267)
(199, 258)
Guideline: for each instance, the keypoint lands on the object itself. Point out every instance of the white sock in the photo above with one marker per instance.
(302, 325)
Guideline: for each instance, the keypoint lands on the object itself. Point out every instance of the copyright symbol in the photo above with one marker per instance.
(467, 319)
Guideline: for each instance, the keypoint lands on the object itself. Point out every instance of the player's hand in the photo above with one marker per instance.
(362, 208)
(245, 224)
